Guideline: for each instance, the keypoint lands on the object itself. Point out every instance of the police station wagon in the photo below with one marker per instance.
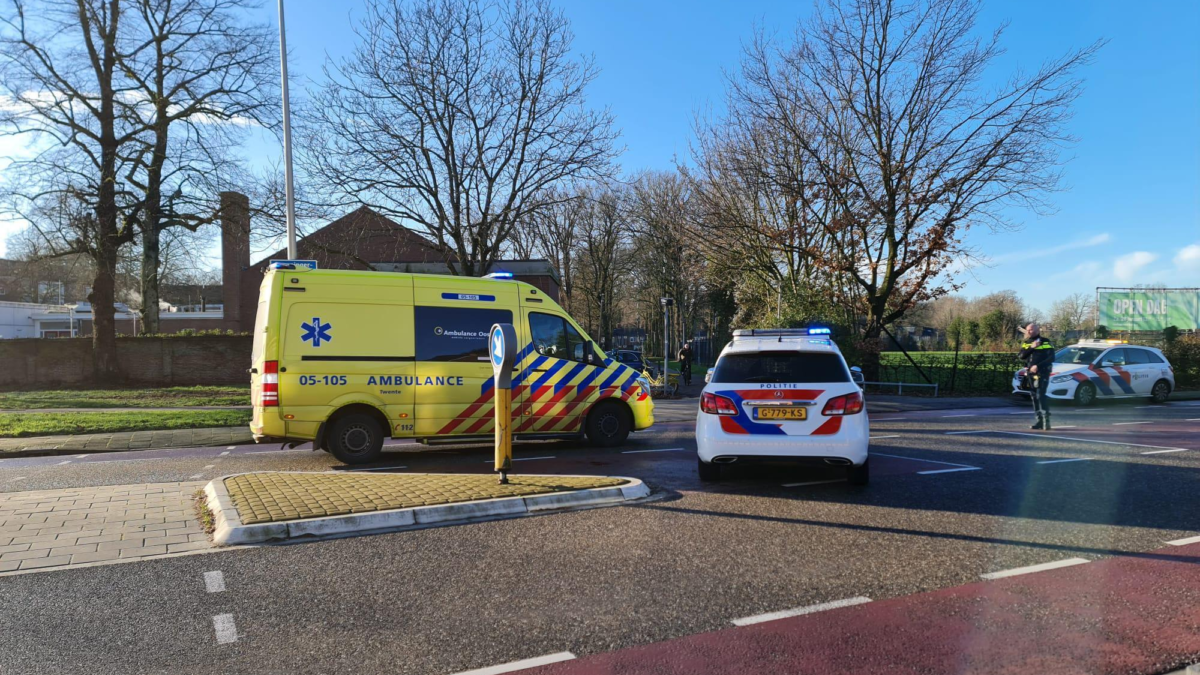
(782, 395)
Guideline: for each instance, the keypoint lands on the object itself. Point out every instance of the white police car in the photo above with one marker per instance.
(782, 395)
(1094, 369)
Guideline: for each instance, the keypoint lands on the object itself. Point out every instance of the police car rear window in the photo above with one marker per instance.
(785, 366)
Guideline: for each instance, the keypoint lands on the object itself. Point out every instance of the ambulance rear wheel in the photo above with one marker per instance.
(608, 424)
(356, 438)
(1085, 394)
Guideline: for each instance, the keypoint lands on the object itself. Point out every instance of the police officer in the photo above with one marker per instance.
(1038, 354)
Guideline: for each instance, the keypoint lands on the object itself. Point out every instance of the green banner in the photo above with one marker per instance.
(1150, 310)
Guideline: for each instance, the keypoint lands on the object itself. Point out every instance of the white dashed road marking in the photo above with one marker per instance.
(959, 415)
(232, 447)
(80, 456)
(1034, 568)
(16, 478)
(1159, 452)
(209, 466)
(964, 467)
(61, 463)
(773, 616)
(876, 438)
(1184, 542)
(1060, 461)
(634, 452)
(225, 628)
(1125, 424)
(224, 453)
(1084, 440)
(214, 582)
(520, 665)
(196, 477)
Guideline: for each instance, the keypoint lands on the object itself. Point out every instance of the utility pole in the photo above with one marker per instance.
(287, 141)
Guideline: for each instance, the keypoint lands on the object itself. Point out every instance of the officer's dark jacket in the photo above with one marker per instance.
(1041, 356)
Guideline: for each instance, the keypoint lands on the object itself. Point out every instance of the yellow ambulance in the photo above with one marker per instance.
(346, 358)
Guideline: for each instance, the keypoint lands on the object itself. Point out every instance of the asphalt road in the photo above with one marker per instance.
(444, 600)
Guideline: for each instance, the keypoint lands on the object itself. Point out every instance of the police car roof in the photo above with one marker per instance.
(779, 339)
(1104, 344)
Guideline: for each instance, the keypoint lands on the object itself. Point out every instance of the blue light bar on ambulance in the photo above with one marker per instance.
(782, 332)
(498, 275)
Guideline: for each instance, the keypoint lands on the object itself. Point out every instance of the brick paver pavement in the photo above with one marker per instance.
(129, 440)
(60, 528)
(266, 497)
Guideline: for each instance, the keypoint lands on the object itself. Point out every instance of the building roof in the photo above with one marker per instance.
(362, 235)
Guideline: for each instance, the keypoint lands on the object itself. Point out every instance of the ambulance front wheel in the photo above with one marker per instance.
(609, 424)
(356, 438)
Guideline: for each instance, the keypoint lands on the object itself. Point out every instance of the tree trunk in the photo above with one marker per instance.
(150, 263)
(102, 297)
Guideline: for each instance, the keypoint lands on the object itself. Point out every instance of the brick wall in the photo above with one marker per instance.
(33, 363)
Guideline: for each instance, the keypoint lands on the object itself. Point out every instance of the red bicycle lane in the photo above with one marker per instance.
(1133, 614)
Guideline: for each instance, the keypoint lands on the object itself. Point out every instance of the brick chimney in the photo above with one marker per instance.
(234, 216)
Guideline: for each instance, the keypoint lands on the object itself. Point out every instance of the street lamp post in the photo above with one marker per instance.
(666, 303)
(287, 141)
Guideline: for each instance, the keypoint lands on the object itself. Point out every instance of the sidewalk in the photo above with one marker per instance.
(60, 528)
(129, 440)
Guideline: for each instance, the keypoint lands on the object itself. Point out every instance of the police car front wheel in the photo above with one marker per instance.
(609, 424)
(356, 439)
(1085, 394)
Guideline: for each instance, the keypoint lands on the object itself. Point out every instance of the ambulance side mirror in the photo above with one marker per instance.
(586, 352)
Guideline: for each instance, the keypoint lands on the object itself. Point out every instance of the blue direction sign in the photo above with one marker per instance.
(502, 351)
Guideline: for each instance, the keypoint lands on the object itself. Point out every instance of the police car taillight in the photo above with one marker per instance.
(717, 405)
(270, 384)
(850, 404)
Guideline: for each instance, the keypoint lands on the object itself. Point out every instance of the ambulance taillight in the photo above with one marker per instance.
(270, 384)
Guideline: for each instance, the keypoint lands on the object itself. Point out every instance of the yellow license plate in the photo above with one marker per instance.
(781, 413)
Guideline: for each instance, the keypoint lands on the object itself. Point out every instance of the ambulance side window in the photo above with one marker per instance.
(455, 333)
(553, 336)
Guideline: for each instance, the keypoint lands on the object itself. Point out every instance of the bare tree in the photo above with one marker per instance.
(60, 78)
(457, 116)
(202, 77)
(554, 231)
(601, 254)
(1076, 312)
(886, 104)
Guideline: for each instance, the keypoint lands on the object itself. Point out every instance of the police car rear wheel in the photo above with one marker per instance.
(608, 424)
(1085, 394)
(859, 475)
(708, 472)
(1160, 392)
(356, 439)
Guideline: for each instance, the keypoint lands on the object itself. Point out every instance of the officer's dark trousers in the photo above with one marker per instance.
(1040, 402)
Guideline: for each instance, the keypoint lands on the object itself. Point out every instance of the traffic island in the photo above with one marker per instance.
(273, 506)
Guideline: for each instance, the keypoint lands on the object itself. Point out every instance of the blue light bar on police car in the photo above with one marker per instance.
(782, 332)
(498, 275)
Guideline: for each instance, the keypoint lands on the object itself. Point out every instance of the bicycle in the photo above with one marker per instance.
(657, 384)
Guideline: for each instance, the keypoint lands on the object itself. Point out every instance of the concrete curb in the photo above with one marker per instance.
(230, 530)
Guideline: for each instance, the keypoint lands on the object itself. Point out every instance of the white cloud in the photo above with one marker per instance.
(1095, 240)
(1188, 258)
(1126, 267)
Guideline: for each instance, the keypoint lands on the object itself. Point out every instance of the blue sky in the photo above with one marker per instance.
(1130, 209)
